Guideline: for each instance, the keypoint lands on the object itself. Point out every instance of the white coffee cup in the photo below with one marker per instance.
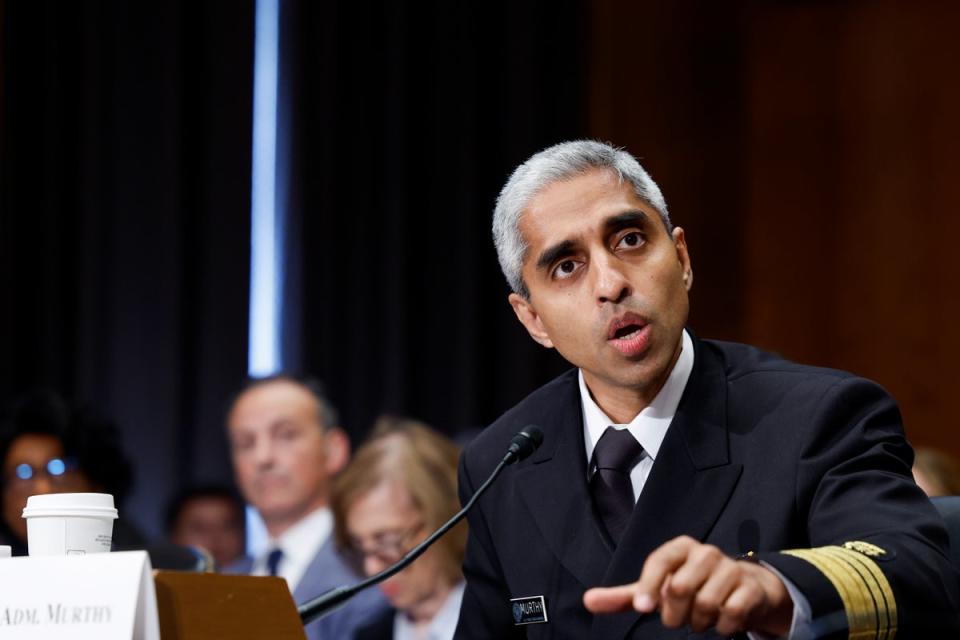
(69, 523)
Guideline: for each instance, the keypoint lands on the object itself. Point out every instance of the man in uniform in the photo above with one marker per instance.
(683, 484)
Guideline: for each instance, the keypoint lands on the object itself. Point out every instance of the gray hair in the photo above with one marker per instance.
(555, 164)
(327, 414)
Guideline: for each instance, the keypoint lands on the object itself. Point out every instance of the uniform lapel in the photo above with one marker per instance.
(553, 487)
(690, 483)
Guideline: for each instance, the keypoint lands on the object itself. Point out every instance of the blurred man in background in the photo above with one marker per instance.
(211, 518)
(286, 448)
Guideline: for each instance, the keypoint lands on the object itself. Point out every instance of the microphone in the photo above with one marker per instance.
(524, 443)
(521, 445)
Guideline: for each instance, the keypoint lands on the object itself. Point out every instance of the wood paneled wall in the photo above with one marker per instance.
(810, 151)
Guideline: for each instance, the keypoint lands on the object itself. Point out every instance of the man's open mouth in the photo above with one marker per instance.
(625, 327)
(630, 335)
(627, 332)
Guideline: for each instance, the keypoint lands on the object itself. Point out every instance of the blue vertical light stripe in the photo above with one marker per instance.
(266, 242)
(266, 224)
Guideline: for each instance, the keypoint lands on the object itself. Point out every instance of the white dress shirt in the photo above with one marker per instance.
(300, 544)
(441, 627)
(649, 427)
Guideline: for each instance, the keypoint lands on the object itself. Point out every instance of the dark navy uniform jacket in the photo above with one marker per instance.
(808, 468)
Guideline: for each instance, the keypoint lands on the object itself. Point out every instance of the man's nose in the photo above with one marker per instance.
(263, 452)
(610, 282)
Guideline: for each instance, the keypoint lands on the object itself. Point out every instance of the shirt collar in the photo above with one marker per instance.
(301, 542)
(443, 624)
(649, 426)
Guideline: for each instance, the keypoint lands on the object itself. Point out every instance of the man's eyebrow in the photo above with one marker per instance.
(627, 219)
(633, 217)
(550, 254)
(282, 422)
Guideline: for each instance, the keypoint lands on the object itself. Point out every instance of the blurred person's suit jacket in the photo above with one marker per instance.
(762, 455)
(327, 571)
(379, 629)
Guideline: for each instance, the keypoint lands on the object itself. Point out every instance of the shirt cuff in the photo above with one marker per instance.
(802, 616)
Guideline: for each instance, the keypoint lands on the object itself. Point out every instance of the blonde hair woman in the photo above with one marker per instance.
(400, 486)
(936, 472)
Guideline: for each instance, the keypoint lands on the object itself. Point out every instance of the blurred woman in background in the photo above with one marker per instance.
(400, 486)
(936, 472)
(46, 446)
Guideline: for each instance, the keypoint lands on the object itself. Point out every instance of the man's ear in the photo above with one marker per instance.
(530, 319)
(337, 449)
(680, 242)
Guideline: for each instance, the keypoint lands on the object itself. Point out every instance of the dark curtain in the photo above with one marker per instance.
(408, 119)
(125, 220)
(124, 228)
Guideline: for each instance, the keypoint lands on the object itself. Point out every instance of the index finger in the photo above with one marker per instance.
(610, 599)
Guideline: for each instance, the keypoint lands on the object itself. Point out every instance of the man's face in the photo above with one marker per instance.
(283, 457)
(608, 285)
(214, 523)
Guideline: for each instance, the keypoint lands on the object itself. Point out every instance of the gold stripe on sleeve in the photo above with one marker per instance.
(877, 584)
(863, 589)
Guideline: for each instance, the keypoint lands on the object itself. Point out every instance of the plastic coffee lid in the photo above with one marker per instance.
(92, 505)
(71, 501)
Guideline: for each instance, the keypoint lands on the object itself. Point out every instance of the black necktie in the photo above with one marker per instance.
(273, 561)
(616, 454)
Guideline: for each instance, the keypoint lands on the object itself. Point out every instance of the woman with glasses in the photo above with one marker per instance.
(47, 447)
(400, 486)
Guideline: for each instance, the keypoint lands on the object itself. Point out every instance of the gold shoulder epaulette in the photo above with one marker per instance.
(865, 592)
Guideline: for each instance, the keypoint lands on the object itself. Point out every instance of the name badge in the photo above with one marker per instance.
(529, 610)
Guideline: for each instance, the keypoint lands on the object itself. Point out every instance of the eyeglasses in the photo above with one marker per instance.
(56, 469)
(387, 546)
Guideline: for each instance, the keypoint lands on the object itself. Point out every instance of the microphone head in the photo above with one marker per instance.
(526, 442)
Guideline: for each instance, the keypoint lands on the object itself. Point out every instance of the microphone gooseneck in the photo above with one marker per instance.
(521, 445)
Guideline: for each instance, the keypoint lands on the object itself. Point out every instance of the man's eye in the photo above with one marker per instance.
(288, 434)
(242, 444)
(630, 240)
(565, 269)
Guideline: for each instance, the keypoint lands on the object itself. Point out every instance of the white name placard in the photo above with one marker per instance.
(101, 596)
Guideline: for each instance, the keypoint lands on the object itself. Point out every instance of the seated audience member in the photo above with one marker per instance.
(48, 447)
(936, 472)
(286, 448)
(211, 518)
(400, 487)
